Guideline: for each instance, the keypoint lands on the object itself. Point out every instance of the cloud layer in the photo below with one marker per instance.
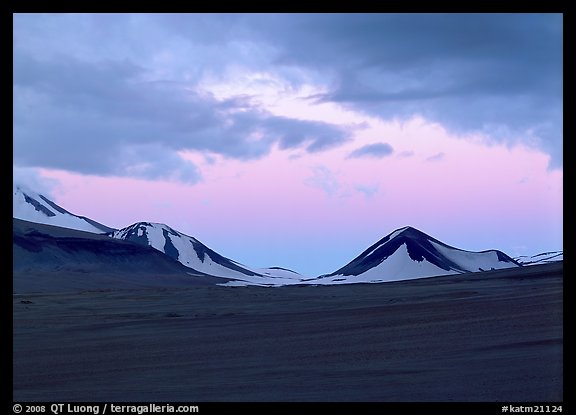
(498, 73)
(122, 95)
(104, 118)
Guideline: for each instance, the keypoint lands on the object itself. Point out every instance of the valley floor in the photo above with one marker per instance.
(492, 336)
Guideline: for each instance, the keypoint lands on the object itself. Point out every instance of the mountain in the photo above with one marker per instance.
(34, 207)
(192, 253)
(543, 258)
(408, 253)
(54, 259)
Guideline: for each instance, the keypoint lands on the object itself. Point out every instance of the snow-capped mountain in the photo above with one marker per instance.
(48, 258)
(34, 207)
(408, 253)
(543, 258)
(194, 254)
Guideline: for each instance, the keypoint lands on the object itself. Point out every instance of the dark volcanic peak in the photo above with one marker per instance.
(422, 248)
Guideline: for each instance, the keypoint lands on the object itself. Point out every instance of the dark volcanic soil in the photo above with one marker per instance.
(493, 336)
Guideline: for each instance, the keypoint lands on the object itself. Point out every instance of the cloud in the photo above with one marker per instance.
(523, 180)
(377, 150)
(499, 74)
(369, 191)
(30, 178)
(436, 157)
(405, 154)
(323, 178)
(104, 118)
(98, 83)
(154, 162)
(314, 136)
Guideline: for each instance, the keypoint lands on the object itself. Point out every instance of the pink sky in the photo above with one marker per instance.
(151, 117)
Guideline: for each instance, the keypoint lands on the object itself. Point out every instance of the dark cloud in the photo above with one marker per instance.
(154, 161)
(88, 88)
(494, 73)
(106, 118)
(377, 150)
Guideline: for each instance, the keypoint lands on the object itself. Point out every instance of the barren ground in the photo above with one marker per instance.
(492, 336)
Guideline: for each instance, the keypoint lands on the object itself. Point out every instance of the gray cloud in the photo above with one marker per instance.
(31, 179)
(153, 161)
(369, 191)
(105, 118)
(494, 73)
(377, 150)
(89, 87)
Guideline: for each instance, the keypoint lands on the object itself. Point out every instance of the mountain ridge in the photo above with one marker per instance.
(405, 253)
(48, 258)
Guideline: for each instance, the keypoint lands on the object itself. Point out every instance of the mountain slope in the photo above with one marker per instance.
(34, 207)
(543, 258)
(51, 259)
(194, 254)
(409, 253)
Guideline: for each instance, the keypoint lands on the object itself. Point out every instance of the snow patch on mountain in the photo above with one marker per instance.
(35, 207)
(270, 277)
(398, 266)
(542, 258)
(474, 261)
(408, 253)
(193, 254)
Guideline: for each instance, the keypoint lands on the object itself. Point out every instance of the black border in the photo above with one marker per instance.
(340, 6)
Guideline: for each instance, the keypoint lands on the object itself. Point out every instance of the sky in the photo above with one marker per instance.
(297, 140)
